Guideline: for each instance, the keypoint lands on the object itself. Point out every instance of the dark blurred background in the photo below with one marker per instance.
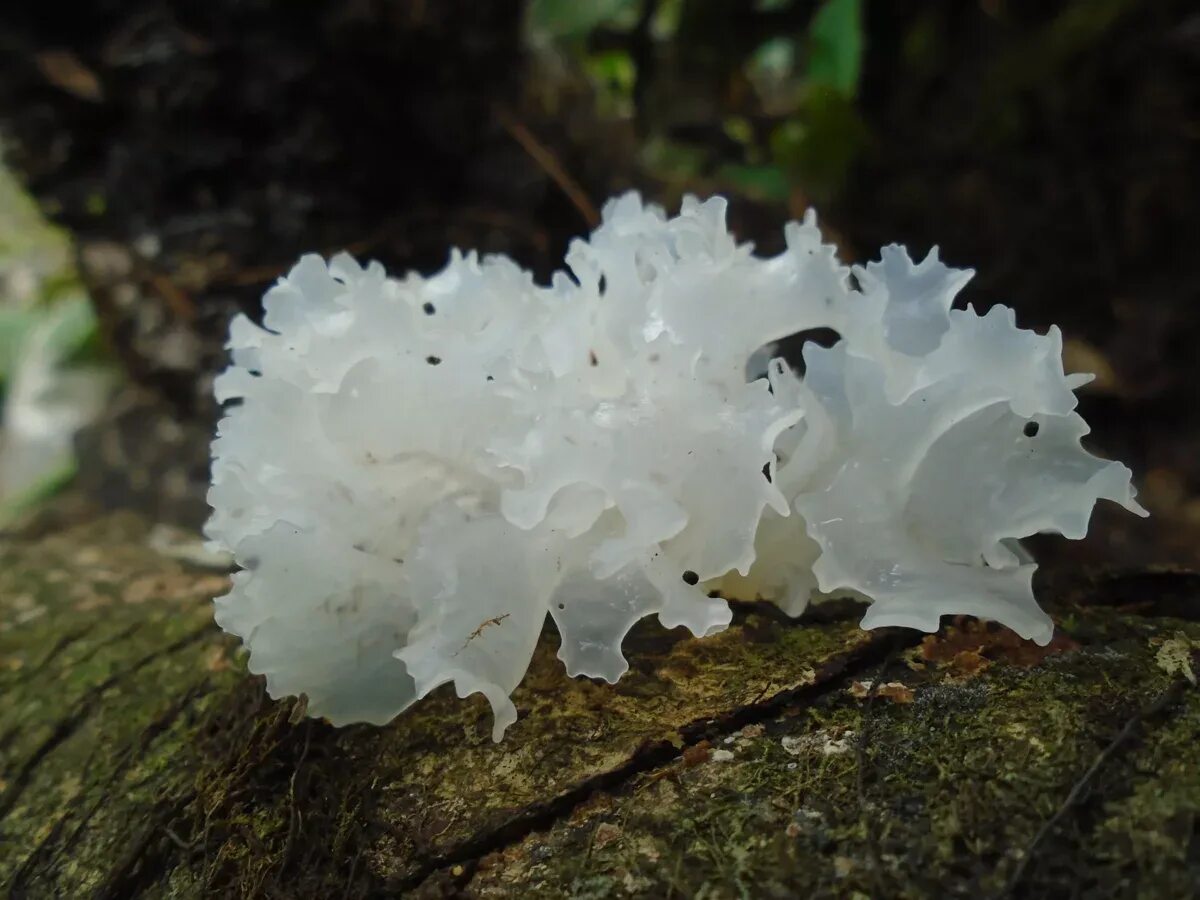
(192, 151)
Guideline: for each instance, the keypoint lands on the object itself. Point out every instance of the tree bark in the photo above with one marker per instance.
(781, 758)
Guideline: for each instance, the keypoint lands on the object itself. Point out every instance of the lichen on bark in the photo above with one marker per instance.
(138, 757)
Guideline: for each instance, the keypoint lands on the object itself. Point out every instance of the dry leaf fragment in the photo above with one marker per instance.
(65, 71)
(892, 690)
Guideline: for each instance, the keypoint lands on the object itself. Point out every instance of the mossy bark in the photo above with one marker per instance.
(781, 758)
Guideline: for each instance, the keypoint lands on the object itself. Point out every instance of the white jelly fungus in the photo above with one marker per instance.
(411, 473)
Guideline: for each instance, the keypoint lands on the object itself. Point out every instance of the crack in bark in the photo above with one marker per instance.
(80, 715)
(7, 737)
(60, 645)
(1172, 593)
(874, 854)
(149, 856)
(17, 886)
(654, 755)
(1153, 592)
(34, 864)
(1164, 703)
(146, 858)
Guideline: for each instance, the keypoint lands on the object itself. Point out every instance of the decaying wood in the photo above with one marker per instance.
(139, 759)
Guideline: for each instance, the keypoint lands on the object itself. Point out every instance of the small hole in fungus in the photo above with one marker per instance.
(433, 360)
(490, 378)
(592, 358)
(429, 308)
(690, 577)
(1031, 429)
(562, 606)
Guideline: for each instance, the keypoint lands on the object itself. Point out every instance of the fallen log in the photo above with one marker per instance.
(781, 758)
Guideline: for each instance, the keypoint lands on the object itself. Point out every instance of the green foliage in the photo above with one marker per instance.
(46, 486)
(68, 326)
(613, 74)
(558, 19)
(763, 182)
(14, 323)
(71, 325)
(815, 147)
(787, 104)
(835, 40)
(49, 339)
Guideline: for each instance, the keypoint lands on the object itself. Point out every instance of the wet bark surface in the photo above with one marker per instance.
(138, 758)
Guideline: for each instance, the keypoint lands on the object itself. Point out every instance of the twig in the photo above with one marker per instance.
(478, 631)
(1166, 699)
(350, 880)
(177, 299)
(549, 164)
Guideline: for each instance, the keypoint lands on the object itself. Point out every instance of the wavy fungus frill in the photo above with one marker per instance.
(411, 473)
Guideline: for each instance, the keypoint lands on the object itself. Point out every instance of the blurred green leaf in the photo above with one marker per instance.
(73, 324)
(613, 73)
(673, 162)
(817, 149)
(575, 18)
(52, 377)
(665, 23)
(739, 129)
(835, 40)
(768, 183)
(14, 325)
(41, 490)
(773, 58)
(70, 325)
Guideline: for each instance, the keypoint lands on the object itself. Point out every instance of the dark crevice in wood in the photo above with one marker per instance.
(81, 713)
(1167, 592)
(1155, 715)
(150, 853)
(539, 817)
(50, 848)
(31, 867)
(60, 645)
(824, 612)
(869, 825)
(58, 649)
(147, 858)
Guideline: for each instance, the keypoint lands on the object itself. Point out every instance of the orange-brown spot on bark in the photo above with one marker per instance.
(892, 690)
(697, 754)
(968, 646)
